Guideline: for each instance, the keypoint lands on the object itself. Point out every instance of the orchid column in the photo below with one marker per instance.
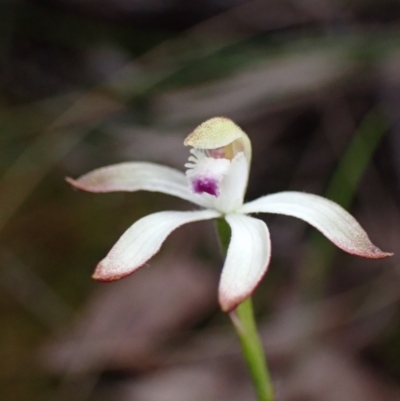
(216, 181)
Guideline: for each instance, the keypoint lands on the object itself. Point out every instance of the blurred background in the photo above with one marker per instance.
(86, 83)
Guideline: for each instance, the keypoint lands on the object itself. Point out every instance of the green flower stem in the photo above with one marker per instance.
(243, 321)
(245, 325)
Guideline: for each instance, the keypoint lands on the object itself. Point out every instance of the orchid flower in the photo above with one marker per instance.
(216, 180)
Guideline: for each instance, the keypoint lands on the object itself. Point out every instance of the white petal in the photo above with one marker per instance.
(326, 216)
(142, 240)
(132, 177)
(246, 261)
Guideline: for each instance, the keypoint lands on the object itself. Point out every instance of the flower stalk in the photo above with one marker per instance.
(245, 326)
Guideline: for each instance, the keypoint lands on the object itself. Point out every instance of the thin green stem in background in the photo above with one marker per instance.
(342, 190)
(243, 321)
(345, 180)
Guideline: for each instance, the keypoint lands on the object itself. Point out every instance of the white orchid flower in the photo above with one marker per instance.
(216, 180)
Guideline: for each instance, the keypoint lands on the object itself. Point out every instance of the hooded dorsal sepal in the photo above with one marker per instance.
(220, 137)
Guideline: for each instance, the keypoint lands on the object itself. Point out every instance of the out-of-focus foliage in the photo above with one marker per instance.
(315, 84)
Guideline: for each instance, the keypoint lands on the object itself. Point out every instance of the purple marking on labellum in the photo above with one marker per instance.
(207, 185)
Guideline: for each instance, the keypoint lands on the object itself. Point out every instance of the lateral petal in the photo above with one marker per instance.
(328, 217)
(133, 177)
(246, 261)
(142, 240)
